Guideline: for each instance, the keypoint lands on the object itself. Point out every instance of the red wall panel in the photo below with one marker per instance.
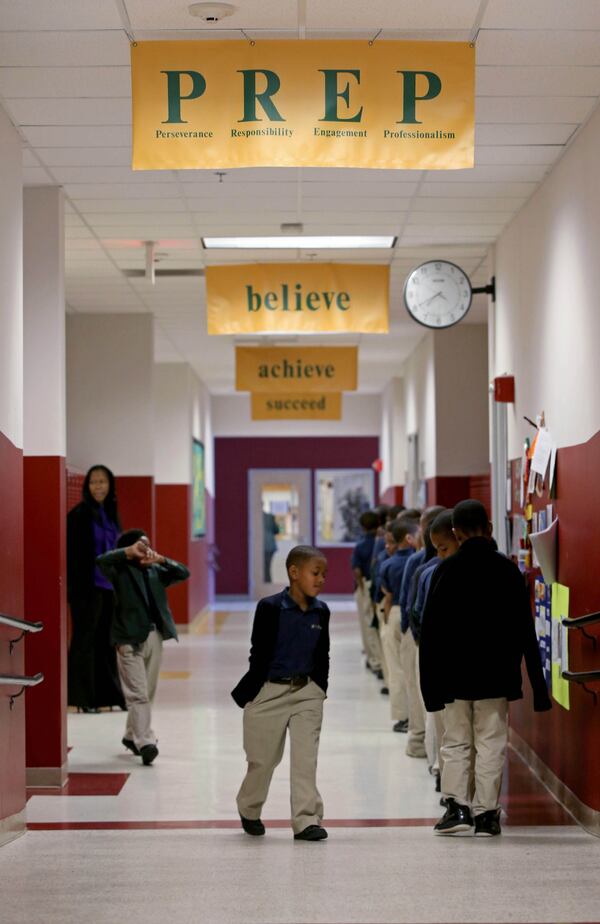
(45, 488)
(568, 742)
(135, 496)
(392, 495)
(234, 456)
(12, 723)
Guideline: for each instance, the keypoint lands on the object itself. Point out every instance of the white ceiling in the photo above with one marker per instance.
(64, 80)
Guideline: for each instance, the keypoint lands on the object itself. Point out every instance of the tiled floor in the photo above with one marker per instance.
(164, 841)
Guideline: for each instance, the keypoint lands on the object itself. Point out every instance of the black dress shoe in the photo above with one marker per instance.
(385, 691)
(488, 824)
(130, 745)
(401, 725)
(312, 833)
(148, 753)
(456, 819)
(438, 780)
(253, 826)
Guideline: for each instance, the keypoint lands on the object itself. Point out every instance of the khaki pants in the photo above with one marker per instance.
(267, 718)
(370, 636)
(391, 641)
(474, 730)
(415, 746)
(139, 666)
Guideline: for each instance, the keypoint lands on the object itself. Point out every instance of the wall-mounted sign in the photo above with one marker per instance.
(297, 370)
(324, 406)
(297, 297)
(221, 104)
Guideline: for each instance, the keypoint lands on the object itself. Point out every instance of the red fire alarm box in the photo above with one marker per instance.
(504, 389)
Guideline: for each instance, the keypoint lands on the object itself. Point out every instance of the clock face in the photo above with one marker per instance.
(437, 294)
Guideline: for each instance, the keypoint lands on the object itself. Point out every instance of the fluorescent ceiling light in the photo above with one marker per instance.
(302, 242)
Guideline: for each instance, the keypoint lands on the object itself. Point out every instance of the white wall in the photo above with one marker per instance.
(110, 414)
(547, 317)
(361, 416)
(462, 400)
(11, 283)
(419, 396)
(392, 444)
(182, 410)
(44, 321)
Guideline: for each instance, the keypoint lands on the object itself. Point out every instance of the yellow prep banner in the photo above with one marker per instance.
(325, 406)
(297, 297)
(305, 369)
(220, 104)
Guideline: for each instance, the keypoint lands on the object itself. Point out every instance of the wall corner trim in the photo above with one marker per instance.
(585, 816)
(12, 827)
(47, 777)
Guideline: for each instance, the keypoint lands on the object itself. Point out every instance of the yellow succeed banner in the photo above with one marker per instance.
(298, 298)
(306, 369)
(326, 406)
(214, 105)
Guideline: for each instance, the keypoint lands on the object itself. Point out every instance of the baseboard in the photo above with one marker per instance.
(585, 816)
(47, 777)
(12, 827)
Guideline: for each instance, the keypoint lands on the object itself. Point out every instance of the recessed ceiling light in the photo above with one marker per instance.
(303, 242)
(211, 12)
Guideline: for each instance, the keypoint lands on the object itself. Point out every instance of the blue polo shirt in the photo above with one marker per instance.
(424, 581)
(392, 572)
(363, 553)
(411, 566)
(379, 561)
(299, 632)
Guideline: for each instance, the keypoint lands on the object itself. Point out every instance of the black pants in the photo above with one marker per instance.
(268, 558)
(93, 677)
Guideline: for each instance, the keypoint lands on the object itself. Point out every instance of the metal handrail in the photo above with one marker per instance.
(19, 680)
(581, 676)
(579, 621)
(26, 627)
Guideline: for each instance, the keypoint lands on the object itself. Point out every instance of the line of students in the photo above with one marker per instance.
(445, 622)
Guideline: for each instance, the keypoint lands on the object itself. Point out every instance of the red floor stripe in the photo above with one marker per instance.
(227, 823)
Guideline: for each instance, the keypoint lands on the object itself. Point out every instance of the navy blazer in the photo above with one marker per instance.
(265, 630)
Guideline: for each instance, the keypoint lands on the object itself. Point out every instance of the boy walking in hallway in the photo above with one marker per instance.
(283, 690)
(142, 620)
(477, 627)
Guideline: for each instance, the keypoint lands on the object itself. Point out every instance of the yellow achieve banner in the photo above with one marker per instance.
(325, 406)
(297, 297)
(220, 104)
(296, 370)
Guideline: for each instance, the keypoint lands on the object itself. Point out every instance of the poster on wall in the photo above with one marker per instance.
(198, 490)
(341, 495)
(560, 645)
(543, 626)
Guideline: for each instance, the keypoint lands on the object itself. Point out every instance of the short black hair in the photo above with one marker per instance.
(396, 510)
(383, 512)
(130, 537)
(300, 554)
(470, 516)
(442, 525)
(404, 527)
(369, 520)
(412, 513)
(429, 515)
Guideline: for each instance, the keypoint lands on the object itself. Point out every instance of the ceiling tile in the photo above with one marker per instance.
(550, 14)
(78, 112)
(56, 49)
(57, 82)
(524, 134)
(538, 47)
(502, 109)
(538, 81)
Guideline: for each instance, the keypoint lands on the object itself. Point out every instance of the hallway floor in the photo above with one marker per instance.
(130, 843)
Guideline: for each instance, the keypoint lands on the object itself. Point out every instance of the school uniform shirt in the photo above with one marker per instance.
(380, 560)
(394, 572)
(411, 566)
(297, 638)
(362, 555)
(477, 628)
(423, 576)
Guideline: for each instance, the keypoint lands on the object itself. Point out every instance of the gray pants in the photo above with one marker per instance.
(277, 708)
(139, 666)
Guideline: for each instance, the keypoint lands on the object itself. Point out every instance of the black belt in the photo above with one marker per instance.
(298, 680)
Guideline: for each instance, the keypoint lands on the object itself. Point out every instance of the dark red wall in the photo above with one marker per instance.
(12, 723)
(569, 741)
(234, 456)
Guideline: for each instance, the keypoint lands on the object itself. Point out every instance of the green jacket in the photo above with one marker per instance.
(131, 621)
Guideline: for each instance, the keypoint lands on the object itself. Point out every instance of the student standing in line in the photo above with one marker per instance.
(361, 569)
(283, 690)
(477, 628)
(141, 621)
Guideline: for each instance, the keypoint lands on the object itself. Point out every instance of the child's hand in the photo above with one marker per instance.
(152, 558)
(138, 551)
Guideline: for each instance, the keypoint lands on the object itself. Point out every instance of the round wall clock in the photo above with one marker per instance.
(438, 294)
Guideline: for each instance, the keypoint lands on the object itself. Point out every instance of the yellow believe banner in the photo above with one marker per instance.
(325, 406)
(296, 370)
(298, 298)
(221, 104)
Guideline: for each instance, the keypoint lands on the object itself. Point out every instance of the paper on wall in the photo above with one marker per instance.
(542, 452)
(544, 545)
